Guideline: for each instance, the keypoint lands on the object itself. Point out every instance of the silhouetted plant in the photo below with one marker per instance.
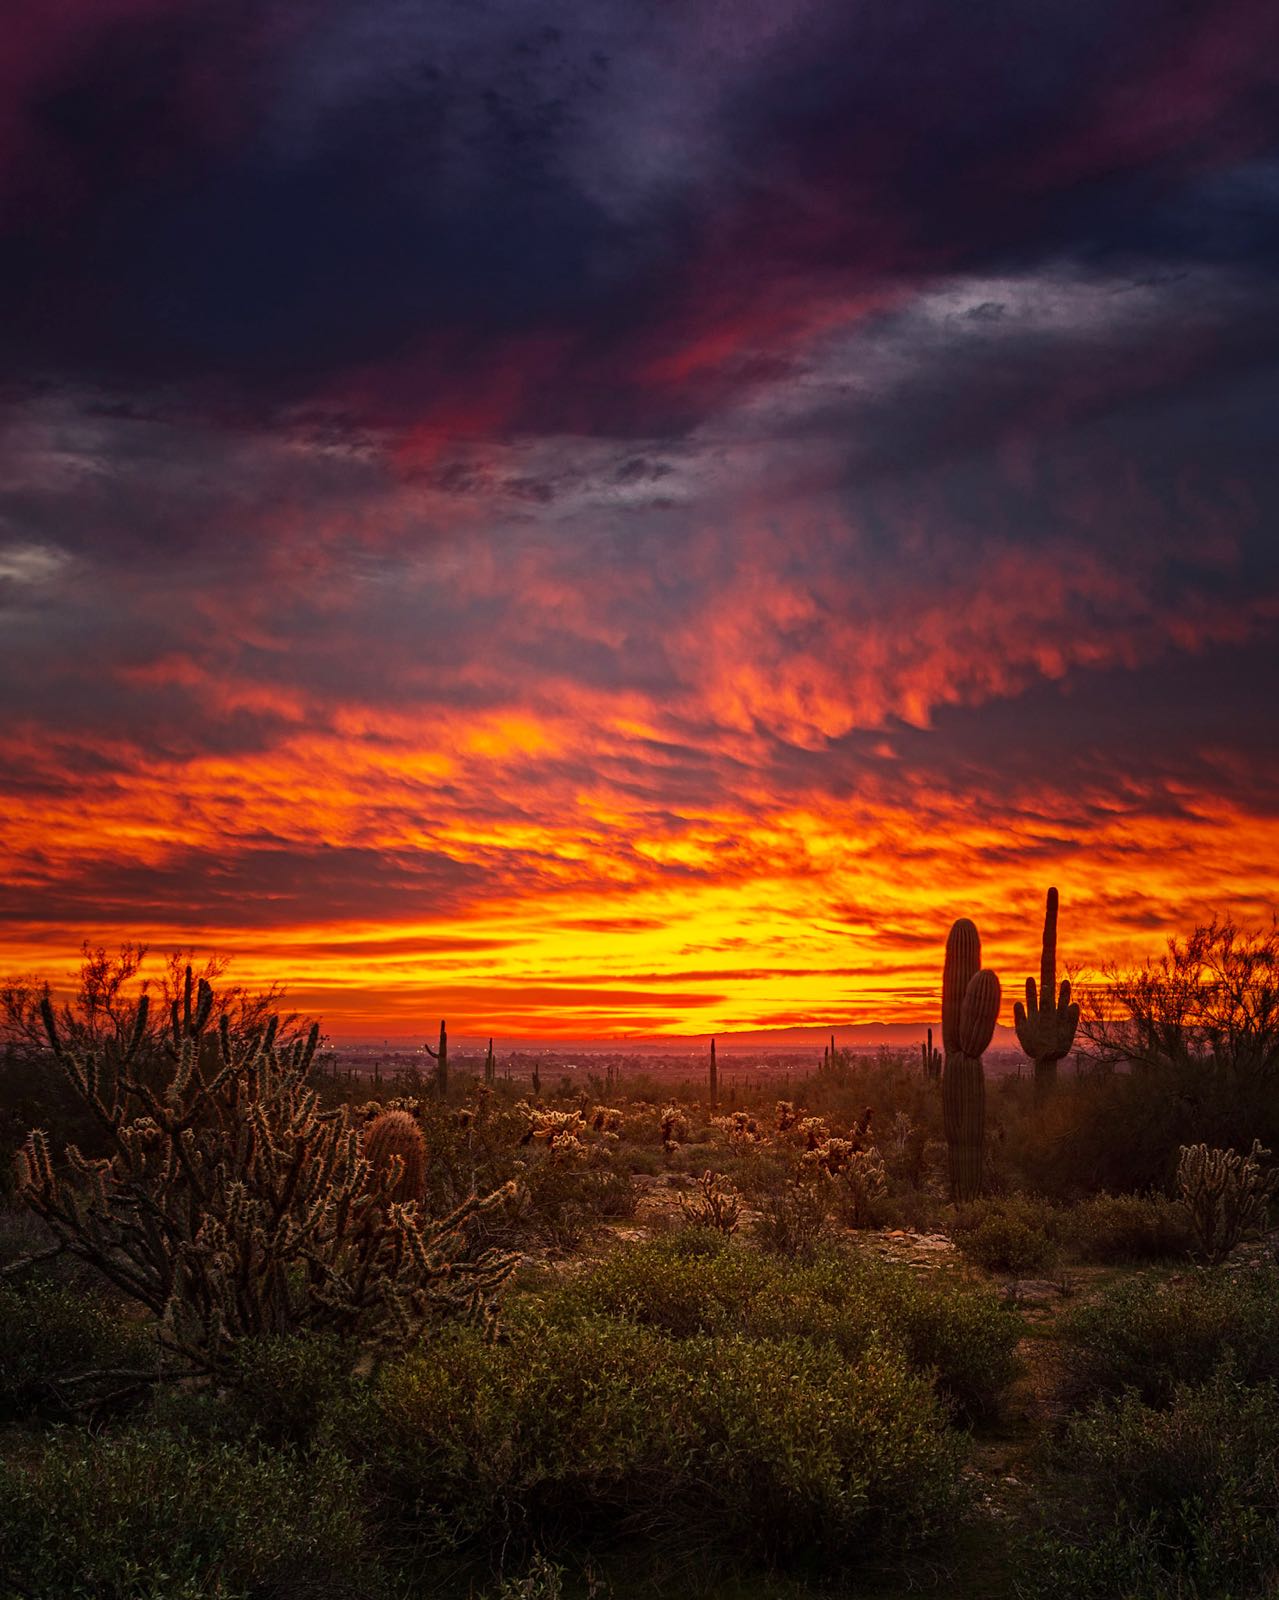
(1046, 1023)
(970, 1007)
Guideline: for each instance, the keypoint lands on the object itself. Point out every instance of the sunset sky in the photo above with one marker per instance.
(614, 518)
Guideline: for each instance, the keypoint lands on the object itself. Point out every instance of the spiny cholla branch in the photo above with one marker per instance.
(232, 1207)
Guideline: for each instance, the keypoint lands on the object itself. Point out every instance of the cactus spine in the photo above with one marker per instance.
(931, 1059)
(969, 1009)
(1046, 1023)
(396, 1151)
(714, 1078)
(440, 1055)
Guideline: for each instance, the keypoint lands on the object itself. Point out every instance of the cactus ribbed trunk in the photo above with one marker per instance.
(970, 1007)
(964, 1115)
(440, 1056)
(395, 1149)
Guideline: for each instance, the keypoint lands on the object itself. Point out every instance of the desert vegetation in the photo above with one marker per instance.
(905, 1330)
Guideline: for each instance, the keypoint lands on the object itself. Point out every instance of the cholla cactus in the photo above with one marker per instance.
(813, 1131)
(1226, 1195)
(552, 1127)
(857, 1175)
(674, 1126)
(606, 1119)
(717, 1205)
(969, 1010)
(396, 1151)
(231, 1207)
(740, 1129)
(1046, 1023)
(785, 1116)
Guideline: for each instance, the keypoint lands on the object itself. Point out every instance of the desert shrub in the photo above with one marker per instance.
(568, 1187)
(58, 1349)
(1150, 1336)
(600, 1429)
(912, 1209)
(643, 1162)
(1013, 1234)
(690, 1283)
(1127, 1227)
(159, 1517)
(1169, 1503)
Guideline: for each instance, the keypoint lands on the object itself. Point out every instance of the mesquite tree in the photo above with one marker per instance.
(232, 1207)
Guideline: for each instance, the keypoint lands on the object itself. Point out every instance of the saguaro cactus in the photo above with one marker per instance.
(1046, 1023)
(396, 1151)
(490, 1065)
(969, 1009)
(440, 1055)
(714, 1078)
(931, 1058)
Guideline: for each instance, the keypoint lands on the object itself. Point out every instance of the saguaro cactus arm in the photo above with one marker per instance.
(1046, 1023)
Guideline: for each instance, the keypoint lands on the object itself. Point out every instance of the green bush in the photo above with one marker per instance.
(761, 1448)
(1127, 1227)
(1169, 1503)
(1013, 1234)
(1150, 1336)
(50, 1334)
(157, 1517)
(847, 1299)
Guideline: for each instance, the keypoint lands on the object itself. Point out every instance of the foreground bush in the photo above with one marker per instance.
(757, 1449)
(1150, 1336)
(1015, 1234)
(847, 1300)
(158, 1517)
(1170, 1503)
(50, 1338)
(1112, 1228)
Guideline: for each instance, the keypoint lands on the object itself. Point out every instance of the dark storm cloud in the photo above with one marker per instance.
(461, 456)
(267, 213)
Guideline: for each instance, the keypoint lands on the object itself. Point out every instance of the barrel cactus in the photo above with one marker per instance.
(395, 1150)
(970, 1008)
(1046, 1023)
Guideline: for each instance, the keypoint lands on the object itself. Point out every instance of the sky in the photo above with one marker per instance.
(616, 518)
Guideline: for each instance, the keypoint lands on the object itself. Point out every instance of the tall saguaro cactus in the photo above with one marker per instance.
(969, 1009)
(440, 1055)
(714, 1078)
(1046, 1023)
(931, 1059)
